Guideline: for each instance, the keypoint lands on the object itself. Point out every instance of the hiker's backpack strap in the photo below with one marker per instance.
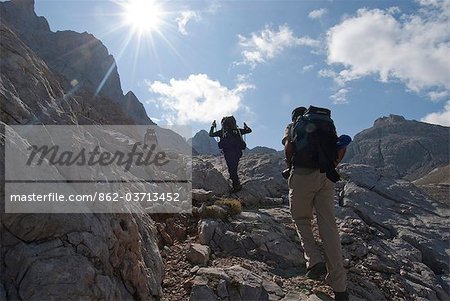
(313, 134)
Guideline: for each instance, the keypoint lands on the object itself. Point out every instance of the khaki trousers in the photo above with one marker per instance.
(308, 189)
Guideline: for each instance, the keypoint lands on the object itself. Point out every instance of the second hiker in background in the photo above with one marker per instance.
(232, 144)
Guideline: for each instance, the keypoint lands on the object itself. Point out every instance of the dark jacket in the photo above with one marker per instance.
(219, 133)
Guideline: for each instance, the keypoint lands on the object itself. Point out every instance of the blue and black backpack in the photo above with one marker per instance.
(314, 136)
(231, 138)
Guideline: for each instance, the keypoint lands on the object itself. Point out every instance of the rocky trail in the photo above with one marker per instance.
(393, 235)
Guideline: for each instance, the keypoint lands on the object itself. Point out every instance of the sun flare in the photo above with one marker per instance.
(143, 15)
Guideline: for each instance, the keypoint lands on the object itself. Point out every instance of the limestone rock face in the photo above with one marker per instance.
(81, 63)
(64, 256)
(29, 91)
(87, 256)
(76, 56)
(401, 148)
(136, 109)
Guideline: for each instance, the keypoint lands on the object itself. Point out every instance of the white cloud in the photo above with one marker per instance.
(340, 97)
(317, 13)
(184, 19)
(332, 74)
(198, 99)
(307, 68)
(190, 15)
(441, 118)
(327, 73)
(429, 2)
(269, 43)
(438, 95)
(412, 49)
(394, 10)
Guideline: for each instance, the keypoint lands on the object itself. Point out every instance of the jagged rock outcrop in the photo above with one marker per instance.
(31, 93)
(64, 256)
(203, 144)
(135, 109)
(80, 62)
(400, 147)
(78, 57)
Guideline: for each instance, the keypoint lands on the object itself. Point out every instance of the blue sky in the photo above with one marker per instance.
(258, 60)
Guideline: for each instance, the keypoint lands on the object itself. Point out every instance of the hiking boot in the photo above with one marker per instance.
(341, 296)
(317, 271)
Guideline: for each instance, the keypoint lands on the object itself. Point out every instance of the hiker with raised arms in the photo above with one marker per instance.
(232, 144)
(314, 150)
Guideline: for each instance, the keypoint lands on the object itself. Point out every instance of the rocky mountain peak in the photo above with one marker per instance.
(389, 120)
(204, 145)
(400, 147)
(136, 109)
(20, 15)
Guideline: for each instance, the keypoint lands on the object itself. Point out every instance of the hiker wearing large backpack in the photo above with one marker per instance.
(312, 146)
(232, 144)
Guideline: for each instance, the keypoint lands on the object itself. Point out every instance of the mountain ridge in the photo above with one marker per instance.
(385, 144)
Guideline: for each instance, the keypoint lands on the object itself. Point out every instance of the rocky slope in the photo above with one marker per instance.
(65, 256)
(436, 183)
(395, 241)
(385, 144)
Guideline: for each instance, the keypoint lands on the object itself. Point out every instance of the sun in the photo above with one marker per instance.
(143, 15)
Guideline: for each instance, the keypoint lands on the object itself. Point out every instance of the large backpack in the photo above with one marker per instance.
(231, 135)
(314, 137)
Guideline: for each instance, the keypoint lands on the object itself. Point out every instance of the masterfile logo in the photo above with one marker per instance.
(54, 156)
